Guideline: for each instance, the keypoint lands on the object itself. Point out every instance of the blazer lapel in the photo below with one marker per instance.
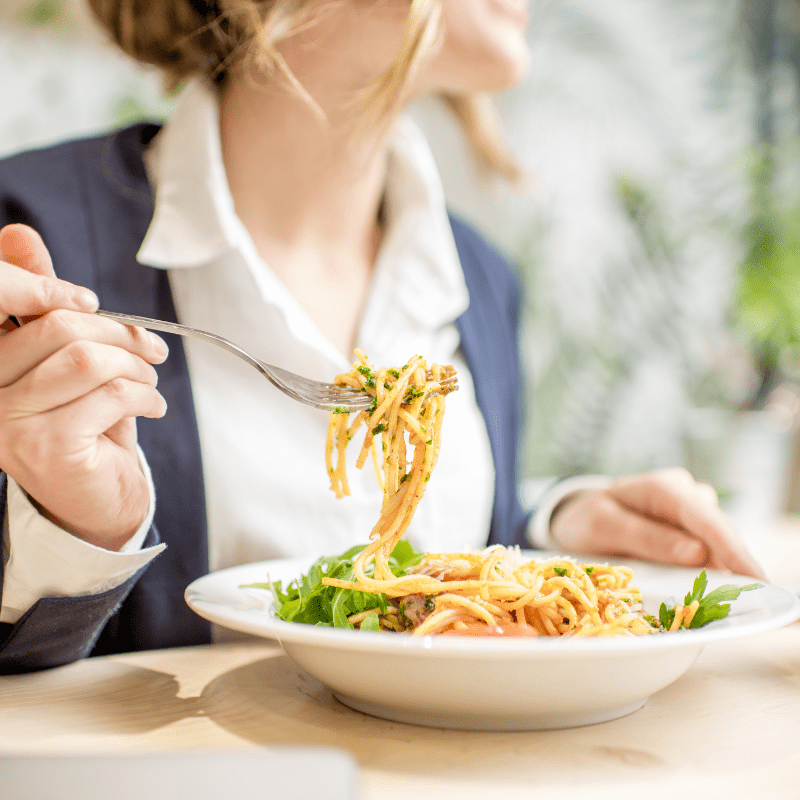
(171, 445)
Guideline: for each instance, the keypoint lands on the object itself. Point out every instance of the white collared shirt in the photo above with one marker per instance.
(266, 486)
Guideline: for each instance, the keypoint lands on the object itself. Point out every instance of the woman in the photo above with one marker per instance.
(289, 206)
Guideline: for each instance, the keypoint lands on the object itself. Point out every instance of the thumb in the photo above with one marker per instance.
(22, 246)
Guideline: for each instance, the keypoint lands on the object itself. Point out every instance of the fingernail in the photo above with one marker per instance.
(87, 299)
(688, 552)
(159, 345)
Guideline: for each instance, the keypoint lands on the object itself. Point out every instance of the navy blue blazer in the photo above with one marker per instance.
(92, 203)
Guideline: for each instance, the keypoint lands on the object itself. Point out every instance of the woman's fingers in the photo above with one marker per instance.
(662, 516)
(673, 497)
(110, 408)
(595, 522)
(95, 488)
(123, 432)
(24, 293)
(31, 344)
(73, 371)
(22, 246)
(66, 438)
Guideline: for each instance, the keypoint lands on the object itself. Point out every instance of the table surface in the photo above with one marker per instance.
(729, 728)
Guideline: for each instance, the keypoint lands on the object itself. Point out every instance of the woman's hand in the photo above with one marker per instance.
(71, 386)
(663, 516)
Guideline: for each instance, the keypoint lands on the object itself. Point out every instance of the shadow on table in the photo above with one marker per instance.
(272, 702)
(96, 695)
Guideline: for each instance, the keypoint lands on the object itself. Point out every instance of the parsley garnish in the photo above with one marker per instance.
(714, 605)
(560, 571)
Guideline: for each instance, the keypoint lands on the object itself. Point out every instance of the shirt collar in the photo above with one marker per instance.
(195, 221)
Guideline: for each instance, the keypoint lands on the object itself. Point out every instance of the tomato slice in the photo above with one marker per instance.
(479, 629)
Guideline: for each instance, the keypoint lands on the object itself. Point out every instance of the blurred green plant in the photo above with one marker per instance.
(768, 299)
(639, 318)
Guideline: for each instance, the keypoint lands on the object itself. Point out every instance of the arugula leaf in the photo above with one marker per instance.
(370, 623)
(306, 599)
(341, 607)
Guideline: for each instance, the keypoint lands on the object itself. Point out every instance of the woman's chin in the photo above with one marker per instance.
(502, 70)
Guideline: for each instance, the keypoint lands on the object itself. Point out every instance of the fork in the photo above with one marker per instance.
(327, 396)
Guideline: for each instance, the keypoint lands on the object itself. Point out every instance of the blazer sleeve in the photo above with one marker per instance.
(58, 630)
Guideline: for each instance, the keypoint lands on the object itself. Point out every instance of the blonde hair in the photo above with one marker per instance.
(210, 38)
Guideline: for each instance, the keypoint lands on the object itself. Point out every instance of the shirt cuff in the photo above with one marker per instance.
(539, 528)
(43, 560)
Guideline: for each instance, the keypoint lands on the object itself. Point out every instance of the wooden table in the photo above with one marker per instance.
(730, 728)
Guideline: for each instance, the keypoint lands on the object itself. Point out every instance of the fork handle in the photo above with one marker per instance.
(194, 333)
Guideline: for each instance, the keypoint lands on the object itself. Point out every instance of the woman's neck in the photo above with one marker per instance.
(309, 193)
(295, 177)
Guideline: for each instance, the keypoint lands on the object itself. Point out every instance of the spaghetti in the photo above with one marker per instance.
(497, 592)
(490, 592)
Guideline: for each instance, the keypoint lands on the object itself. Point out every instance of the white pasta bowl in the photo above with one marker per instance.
(488, 683)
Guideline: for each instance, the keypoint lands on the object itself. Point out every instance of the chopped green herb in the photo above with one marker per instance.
(412, 393)
(588, 570)
(341, 410)
(560, 571)
(379, 428)
(368, 374)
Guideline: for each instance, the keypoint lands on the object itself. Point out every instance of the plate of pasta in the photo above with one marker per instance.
(490, 682)
(497, 639)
